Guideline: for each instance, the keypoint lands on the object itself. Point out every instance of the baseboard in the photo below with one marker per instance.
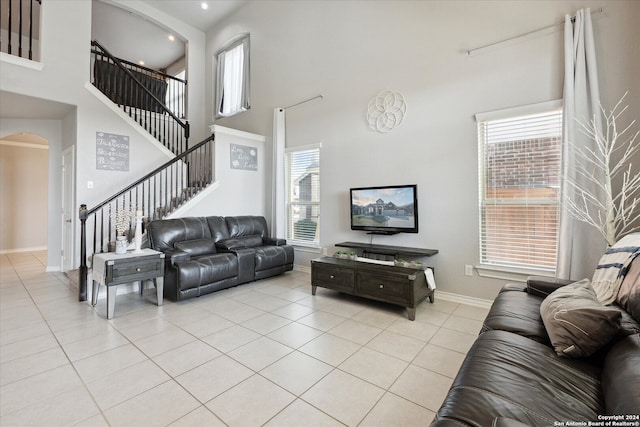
(15, 251)
(463, 299)
(52, 269)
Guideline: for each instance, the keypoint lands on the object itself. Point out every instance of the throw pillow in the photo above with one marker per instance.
(577, 324)
(613, 266)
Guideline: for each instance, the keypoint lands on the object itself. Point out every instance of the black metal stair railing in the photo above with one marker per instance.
(156, 195)
(143, 93)
(17, 18)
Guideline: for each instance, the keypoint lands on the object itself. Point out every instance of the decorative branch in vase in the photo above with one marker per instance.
(595, 201)
(122, 223)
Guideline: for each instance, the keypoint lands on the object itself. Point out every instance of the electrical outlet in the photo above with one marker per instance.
(324, 251)
(468, 269)
(89, 184)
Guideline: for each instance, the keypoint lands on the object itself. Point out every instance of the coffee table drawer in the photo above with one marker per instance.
(331, 277)
(386, 287)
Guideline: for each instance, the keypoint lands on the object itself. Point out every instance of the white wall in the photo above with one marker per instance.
(349, 51)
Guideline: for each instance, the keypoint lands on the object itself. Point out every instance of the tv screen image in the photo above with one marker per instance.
(385, 210)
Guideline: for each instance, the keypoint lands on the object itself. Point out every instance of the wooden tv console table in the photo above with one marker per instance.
(387, 283)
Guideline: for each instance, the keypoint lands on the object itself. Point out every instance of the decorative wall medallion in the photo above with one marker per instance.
(386, 111)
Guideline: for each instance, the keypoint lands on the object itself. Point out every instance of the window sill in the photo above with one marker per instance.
(508, 273)
(306, 247)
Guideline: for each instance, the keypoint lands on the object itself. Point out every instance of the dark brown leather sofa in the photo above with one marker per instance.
(207, 254)
(512, 376)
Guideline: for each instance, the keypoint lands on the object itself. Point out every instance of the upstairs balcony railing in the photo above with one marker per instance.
(156, 195)
(155, 100)
(20, 28)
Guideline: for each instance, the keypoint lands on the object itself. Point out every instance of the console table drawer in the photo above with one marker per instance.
(387, 287)
(338, 279)
(131, 270)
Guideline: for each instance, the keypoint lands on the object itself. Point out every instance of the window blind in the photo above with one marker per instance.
(303, 196)
(520, 172)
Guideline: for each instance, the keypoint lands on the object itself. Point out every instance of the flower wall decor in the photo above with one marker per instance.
(386, 111)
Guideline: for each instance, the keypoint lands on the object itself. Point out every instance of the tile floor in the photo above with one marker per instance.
(266, 353)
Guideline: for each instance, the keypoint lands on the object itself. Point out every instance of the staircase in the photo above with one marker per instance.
(140, 93)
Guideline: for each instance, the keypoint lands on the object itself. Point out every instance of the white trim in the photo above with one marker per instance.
(235, 132)
(522, 110)
(180, 212)
(302, 268)
(463, 299)
(53, 270)
(19, 250)
(312, 249)
(507, 273)
(304, 147)
(24, 144)
(22, 62)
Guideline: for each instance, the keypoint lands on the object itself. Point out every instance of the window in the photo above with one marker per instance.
(232, 81)
(175, 95)
(302, 166)
(520, 171)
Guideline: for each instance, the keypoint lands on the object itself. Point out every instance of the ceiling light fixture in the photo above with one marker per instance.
(204, 5)
(141, 62)
(171, 37)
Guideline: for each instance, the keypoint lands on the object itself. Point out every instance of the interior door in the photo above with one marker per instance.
(68, 211)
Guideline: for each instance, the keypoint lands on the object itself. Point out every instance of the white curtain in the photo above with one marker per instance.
(233, 80)
(578, 243)
(278, 214)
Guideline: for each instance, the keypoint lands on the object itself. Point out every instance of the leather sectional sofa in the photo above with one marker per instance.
(513, 375)
(207, 254)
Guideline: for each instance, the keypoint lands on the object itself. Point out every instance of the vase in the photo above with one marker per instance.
(138, 236)
(121, 244)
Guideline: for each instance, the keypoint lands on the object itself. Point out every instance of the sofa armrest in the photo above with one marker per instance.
(274, 241)
(176, 256)
(543, 286)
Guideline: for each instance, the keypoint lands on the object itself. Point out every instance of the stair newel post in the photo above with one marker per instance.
(82, 280)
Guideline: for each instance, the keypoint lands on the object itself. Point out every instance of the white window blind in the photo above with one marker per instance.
(232, 83)
(303, 196)
(520, 172)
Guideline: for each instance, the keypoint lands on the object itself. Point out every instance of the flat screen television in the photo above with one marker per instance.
(385, 210)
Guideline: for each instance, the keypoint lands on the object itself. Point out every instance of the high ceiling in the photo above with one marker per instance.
(132, 37)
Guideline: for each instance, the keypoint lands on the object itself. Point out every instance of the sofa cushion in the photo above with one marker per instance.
(163, 234)
(197, 247)
(577, 324)
(507, 375)
(621, 376)
(269, 257)
(629, 294)
(247, 226)
(206, 269)
(243, 242)
(218, 228)
(519, 312)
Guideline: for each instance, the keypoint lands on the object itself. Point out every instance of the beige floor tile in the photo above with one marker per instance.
(27, 347)
(417, 330)
(294, 295)
(64, 409)
(426, 313)
(444, 305)
(357, 332)
(293, 311)
(260, 353)
(322, 320)
(421, 386)
(106, 363)
(126, 383)
(301, 413)
(261, 301)
(91, 346)
(378, 317)
(294, 334)
(251, 403)
(207, 325)
(344, 397)
(472, 312)
(453, 340)
(463, 324)
(265, 323)
(95, 421)
(36, 388)
(213, 378)
(199, 417)
(346, 308)
(330, 349)
(396, 345)
(186, 357)
(374, 367)
(156, 407)
(231, 338)
(392, 410)
(241, 314)
(146, 328)
(23, 333)
(168, 340)
(27, 366)
(440, 360)
(296, 372)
